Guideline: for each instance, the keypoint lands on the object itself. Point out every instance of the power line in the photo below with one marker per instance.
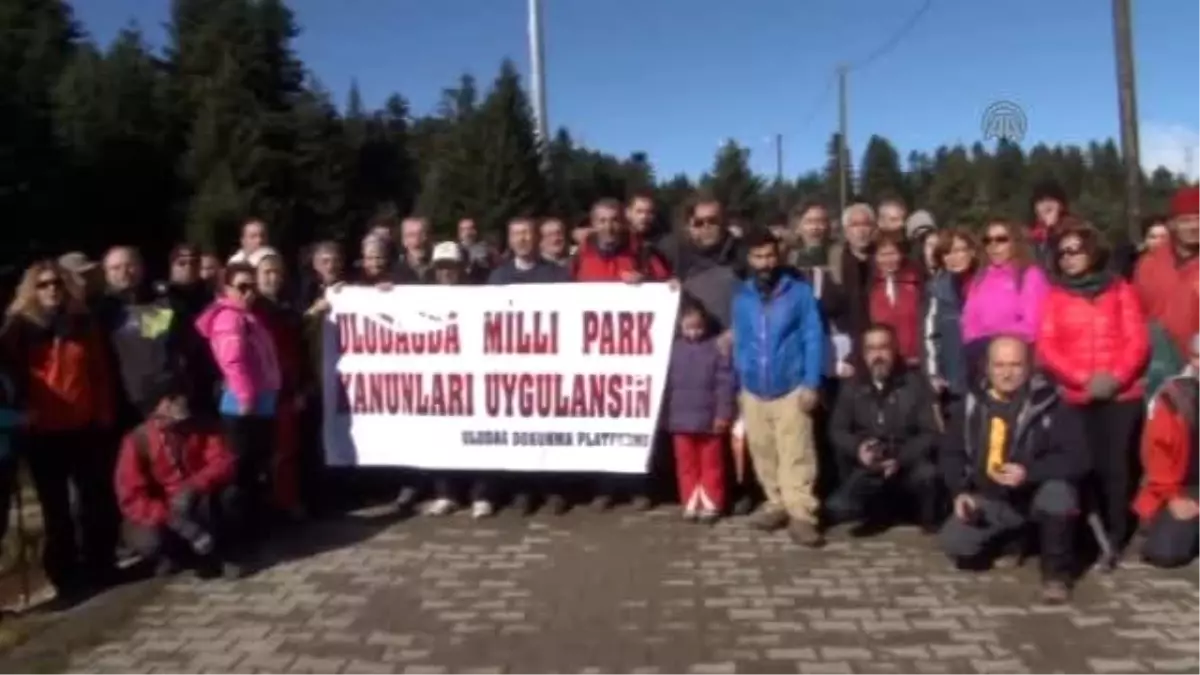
(818, 104)
(899, 35)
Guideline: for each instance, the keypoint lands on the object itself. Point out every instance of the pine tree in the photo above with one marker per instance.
(733, 183)
(881, 176)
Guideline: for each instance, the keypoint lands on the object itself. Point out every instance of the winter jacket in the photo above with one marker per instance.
(147, 335)
(896, 302)
(542, 272)
(687, 260)
(1001, 303)
(1047, 439)
(285, 326)
(700, 387)
(943, 353)
(778, 339)
(1169, 289)
(156, 463)
(1169, 453)
(10, 417)
(899, 415)
(1086, 333)
(61, 369)
(593, 264)
(244, 352)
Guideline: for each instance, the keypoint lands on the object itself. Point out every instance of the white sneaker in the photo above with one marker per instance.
(441, 507)
(482, 508)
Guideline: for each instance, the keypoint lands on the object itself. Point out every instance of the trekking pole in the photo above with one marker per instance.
(22, 561)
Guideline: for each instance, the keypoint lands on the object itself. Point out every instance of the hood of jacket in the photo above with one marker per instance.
(219, 312)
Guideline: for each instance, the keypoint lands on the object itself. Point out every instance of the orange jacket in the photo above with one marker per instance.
(63, 372)
(1168, 453)
(1170, 293)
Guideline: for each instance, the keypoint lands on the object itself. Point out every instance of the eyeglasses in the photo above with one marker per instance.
(706, 222)
(1070, 251)
(998, 239)
(46, 284)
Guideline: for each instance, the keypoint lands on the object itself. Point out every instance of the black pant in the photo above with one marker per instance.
(867, 495)
(251, 439)
(1112, 429)
(57, 461)
(455, 485)
(218, 514)
(8, 482)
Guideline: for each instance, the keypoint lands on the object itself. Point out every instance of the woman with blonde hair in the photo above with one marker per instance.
(1007, 293)
(61, 367)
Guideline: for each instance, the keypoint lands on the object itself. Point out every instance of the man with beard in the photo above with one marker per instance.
(778, 353)
(884, 432)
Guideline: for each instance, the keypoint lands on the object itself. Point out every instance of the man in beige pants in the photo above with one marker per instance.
(778, 352)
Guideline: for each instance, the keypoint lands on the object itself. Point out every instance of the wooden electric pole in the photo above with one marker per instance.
(1127, 97)
(843, 131)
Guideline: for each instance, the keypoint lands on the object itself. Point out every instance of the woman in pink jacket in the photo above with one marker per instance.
(244, 353)
(1006, 295)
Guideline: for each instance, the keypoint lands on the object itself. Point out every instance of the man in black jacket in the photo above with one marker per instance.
(1013, 455)
(884, 432)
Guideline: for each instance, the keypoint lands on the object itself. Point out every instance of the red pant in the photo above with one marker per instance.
(699, 465)
(285, 469)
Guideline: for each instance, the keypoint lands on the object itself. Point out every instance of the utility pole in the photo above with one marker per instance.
(537, 58)
(843, 132)
(779, 158)
(1127, 91)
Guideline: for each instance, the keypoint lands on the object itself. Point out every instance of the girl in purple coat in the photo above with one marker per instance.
(699, 411)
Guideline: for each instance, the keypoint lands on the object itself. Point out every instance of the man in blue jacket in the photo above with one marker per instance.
(778, 353)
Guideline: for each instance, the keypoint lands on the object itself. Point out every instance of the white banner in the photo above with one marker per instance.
(563, 377)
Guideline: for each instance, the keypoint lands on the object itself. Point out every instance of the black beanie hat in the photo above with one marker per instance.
(1049, 189)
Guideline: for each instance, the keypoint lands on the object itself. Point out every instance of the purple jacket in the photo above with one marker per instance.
(700, 387)
(998, 305)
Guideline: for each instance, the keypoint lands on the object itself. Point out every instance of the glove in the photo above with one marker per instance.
(196, 536)
(183, 504)
(1103, 387)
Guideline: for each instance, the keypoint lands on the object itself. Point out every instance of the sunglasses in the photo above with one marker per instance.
(49, 283)
(999, 239)
(1069, 251)
(705, 222)
(244, 288)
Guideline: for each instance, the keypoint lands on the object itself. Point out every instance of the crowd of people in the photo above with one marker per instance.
(987, 388)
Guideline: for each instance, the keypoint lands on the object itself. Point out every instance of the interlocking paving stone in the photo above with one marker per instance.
(620, 592)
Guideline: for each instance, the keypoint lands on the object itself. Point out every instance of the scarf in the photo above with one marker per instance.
(1089, 285)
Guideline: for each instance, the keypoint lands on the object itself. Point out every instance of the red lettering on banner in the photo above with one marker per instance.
(358, 334)
(618, 333)
(556, 395)
(432, 394)
(520, 333)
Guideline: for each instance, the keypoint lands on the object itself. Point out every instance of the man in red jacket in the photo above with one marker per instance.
(175, 485)
(1167, 502)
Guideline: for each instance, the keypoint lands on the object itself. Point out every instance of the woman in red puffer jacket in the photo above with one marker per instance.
(1093, 340)
(895, 296)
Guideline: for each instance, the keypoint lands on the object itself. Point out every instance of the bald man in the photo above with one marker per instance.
(1012, 456)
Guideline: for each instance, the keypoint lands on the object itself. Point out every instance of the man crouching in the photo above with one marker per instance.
(1013, 454)
(175, 486)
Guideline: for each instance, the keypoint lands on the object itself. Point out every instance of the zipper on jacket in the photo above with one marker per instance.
(763, 333)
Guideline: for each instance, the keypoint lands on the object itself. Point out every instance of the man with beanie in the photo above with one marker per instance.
(175, 485)
(1050, 208)
(1167, 503)
(1012, 456)
(1167, 280)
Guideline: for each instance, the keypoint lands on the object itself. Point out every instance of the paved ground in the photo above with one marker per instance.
(619, 592)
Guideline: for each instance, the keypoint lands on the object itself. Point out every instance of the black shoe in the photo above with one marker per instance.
(602, 503)
(743, 506)
(164, 568)
(522, 503)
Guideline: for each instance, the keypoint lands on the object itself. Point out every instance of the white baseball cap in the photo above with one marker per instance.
(447, 252)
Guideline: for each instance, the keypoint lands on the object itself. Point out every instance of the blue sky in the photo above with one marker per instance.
(675, 77)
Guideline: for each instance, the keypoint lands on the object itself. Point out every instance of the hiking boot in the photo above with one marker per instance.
(231, 571)
(805, 534)
(165, 567)
(556, 504)
(769, 519)
(441, 506)
(522, 503)
(708, 516)
(642, 503)
(743, 506)
(1055, 592)
(482, 508)
(602, 503)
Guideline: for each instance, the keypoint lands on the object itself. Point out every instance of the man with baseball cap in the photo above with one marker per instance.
(84, 271)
